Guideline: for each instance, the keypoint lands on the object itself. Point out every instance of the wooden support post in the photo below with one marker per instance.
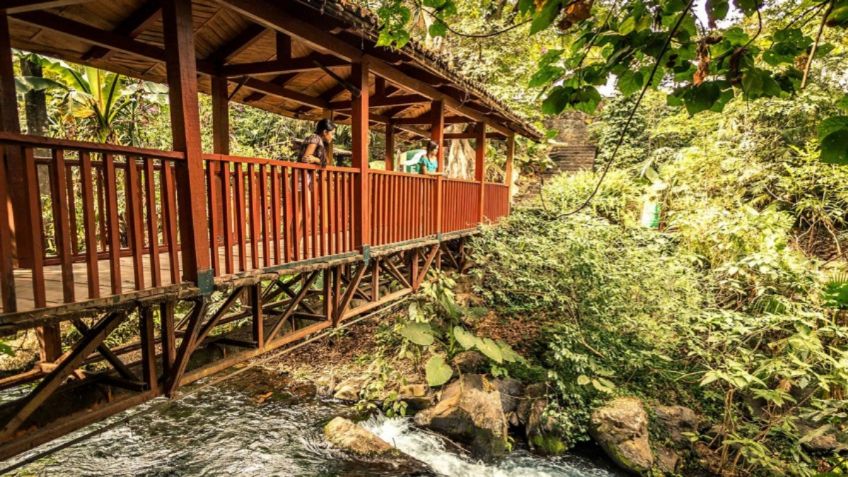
(510, 153)
(17, 219)
(359, 119)
(327, 291)
(390, 147)
(187, 346)
(480, 165)
(437, 133)
(148, 349)
(10, 173)
(169, 351)
(185, 128)
(257, 325)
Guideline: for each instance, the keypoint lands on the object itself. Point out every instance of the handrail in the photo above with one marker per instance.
(46, 142)
(275, 162)
(402, 174)
(464, 181)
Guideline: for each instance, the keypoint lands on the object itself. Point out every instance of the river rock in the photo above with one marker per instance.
(349, 389)
(416, 396)
(511, 391)
(352, 437)
(470, 412)
(676, 422)
(620, 427)
(470, 362)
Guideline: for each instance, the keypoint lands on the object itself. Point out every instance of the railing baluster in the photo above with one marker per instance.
(72, 209)
(288, 207)
(240, 225)
(152, 222)
(213, 205)
(226, 193)
(254, 215)
(62, 220)
(297, 185)
(263, 214)
(36, 238)
(89, 224)
(114, 231)
(135, 227)
(275, 213)
(169, 219)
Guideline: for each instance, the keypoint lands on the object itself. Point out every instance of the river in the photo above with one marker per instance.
(223, 430)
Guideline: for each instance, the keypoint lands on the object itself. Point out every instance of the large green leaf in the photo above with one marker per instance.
(509, 354)
(489, 348)
(437, 371)
(834, 147)
(463, 337)
(419, 333)
(831, 125)
(702, 97)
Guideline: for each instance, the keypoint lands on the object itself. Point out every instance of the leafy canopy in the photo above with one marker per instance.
(747, 48)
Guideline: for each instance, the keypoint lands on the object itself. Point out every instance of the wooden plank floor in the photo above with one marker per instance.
(53, 275)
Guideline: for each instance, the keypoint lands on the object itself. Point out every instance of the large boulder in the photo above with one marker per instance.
(470, 412)
(677, 422)
(352, 437)
(416, 396)
(620, 427)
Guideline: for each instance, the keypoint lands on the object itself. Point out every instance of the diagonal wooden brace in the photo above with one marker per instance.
(187, 346)
(52, 381)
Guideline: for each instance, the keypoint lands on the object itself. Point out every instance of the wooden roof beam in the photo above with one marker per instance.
(273, 16)
(20, 6)
(134, 25)
(473, 134)
(294, 65)
(266, 87)
(427, 119)
(236, 45)
(404, 100)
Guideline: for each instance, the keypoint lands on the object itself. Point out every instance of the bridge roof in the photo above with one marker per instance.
(292, 58)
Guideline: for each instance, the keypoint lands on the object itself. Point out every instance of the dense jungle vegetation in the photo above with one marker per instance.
(731, 117)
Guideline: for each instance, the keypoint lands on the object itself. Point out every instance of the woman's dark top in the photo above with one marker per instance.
(320, 151)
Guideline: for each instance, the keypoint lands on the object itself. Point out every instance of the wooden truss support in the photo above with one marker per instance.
(352, 285)
(296, 301)
(54, 379)
(187, 346)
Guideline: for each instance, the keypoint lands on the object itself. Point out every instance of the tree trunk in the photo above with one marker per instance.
(35, 102)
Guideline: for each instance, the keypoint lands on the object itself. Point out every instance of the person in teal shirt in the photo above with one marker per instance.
(421, 161)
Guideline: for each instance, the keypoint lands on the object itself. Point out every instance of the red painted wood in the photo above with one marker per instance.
(360, 137)
(112, 218)
(62, 220)
(297, 218)
(72, 208)
(288, 209)
(89, 225)
(240, 225)
(169, 219)
(185, 127)
(152, 222)
(227, 226)
(7, 276)
(263, 215)
(33, 209)
(213, 206)
(276, 214)
(134, 220)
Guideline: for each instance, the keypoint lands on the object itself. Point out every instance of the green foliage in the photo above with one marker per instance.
(726, 309)
(437, 371)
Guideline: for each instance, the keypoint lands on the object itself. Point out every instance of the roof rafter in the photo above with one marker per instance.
(132, 26)
(286, 66)
(19, 6)
(236, 45)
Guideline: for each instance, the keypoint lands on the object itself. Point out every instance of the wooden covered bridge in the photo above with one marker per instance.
(188, 247)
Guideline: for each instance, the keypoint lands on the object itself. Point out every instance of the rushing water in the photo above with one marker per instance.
(227, 431)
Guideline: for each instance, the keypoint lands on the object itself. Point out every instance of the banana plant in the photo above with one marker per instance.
(94, 96)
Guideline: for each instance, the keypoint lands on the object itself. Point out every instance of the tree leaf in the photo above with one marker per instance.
(463, 337)
(630, 82)
(437, 371)
(834, 148)
(702, 97)
(418, 333)
(489, 348)
(545, 16)
(831, 125)
(583, 380)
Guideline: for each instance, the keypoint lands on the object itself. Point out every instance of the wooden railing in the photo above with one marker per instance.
(460, 205)
(265, 212)
(125, 199)
(403, 206)
(105, 218)
(496, 201)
